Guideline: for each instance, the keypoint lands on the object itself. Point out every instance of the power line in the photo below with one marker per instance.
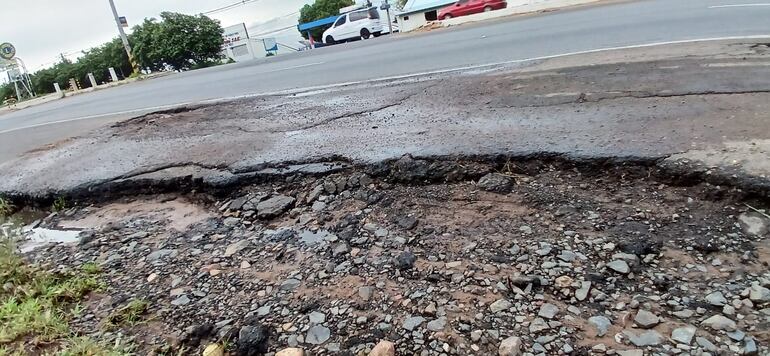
(228, 7)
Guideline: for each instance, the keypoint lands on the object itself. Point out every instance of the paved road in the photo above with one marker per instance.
(616, 24)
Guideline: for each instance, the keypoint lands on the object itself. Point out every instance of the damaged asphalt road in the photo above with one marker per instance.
(708, 110)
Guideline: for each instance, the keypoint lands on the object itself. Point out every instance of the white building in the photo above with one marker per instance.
(417, 13)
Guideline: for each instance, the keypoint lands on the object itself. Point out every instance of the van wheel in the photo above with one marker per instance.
(329, 40)
(365, 34)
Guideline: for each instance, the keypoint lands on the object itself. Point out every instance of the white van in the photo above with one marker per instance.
(359, 24)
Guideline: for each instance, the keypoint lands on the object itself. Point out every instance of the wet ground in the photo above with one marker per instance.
(438, 257)
(703, 104)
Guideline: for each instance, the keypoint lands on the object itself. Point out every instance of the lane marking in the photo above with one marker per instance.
(293, 67)
(390, 78)
(734, 64)
(738, 5)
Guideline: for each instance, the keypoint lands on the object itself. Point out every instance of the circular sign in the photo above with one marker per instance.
(7, 51)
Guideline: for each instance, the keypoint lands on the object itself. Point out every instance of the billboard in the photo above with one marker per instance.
(234, 34)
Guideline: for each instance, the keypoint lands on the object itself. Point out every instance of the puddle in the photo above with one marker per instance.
(39, 237)
(308, 237)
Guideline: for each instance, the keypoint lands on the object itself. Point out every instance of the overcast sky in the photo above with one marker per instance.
(42, 29)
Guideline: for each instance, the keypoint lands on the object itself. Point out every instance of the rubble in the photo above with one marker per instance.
(560, 262)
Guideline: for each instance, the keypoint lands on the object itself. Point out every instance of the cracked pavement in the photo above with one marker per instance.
(706, 107)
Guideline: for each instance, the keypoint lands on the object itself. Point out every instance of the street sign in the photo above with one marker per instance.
(123, 21)
(385, 6)
(7, 51)
(270, 44)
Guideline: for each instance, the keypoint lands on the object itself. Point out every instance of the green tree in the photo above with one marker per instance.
(178, 41)
(319, 10)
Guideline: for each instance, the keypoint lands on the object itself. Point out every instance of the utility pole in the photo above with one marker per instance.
(390, 21)
(123, 38)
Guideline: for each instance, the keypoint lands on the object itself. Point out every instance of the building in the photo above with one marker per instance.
(418, 13)
(239, 47)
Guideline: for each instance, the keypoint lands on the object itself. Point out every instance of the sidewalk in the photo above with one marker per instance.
(516, 7)
(54, 96)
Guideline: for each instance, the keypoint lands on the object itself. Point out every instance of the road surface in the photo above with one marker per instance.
(567, 31)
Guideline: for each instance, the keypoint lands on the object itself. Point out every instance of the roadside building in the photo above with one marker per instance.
(418, 13)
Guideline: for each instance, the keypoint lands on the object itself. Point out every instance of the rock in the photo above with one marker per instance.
(292, 351)
(719, 322)
(500, 305)
(538, 325)
(548, 311)
(684, 334)
(290, 284)
(182, 300)
(759, 294)
(365, 293)
(274, 206)
(753, 224)
(231, 222)
(705, 344)
(510, 347)
(582, 293)
(252, 340)
(619, 266)
(438, 324)
(716, 299)
(317, 317)
(750, 347)
(495, 182)
(643, 338)
(86, 237)
(161, 254)
(340, 249)
(635, 352)
(405, 260)
(413, 322)
(601, 323)
(645, 319)
(383, 348)
(214, 350)
(236, 247)
(407, 222)
(317, 335)
(563, 282)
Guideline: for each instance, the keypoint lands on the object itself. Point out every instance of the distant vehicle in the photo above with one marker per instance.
(467, 7)
(359, 24)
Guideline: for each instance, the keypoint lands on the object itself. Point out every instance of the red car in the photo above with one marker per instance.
(467, 7)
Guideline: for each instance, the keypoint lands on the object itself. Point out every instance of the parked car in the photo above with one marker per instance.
(467, 7)
(359, 24)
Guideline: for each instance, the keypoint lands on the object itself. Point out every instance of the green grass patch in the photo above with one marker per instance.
(6, 207)
(130, 314)
(59, 204)
(36, 305)
(84, 346)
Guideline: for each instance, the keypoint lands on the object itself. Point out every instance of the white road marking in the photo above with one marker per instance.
(390, 78)
(738, 5)
(293, 67)
(735, 64)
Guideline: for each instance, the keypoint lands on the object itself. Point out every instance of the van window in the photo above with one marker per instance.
(358, 15)
(373, 13)
(340, 21)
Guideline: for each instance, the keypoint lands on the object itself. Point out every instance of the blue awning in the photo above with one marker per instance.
(317, 23)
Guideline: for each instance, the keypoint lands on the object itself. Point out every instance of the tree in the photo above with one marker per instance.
(321, 9)
(178, 41)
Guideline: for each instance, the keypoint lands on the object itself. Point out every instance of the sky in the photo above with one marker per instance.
(43, 29)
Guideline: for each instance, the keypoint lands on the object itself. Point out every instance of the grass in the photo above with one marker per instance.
(59, 204)
(36, 305)
(130, 314)
(6, 207)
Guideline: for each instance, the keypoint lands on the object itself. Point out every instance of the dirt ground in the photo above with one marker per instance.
(438, 257)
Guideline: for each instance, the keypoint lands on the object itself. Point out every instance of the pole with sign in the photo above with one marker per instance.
(120, 21)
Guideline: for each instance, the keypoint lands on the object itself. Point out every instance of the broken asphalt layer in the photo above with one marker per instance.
(695, 112)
